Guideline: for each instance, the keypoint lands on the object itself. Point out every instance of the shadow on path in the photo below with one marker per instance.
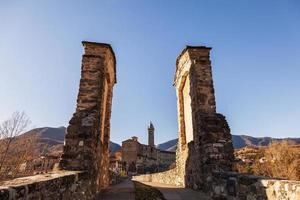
(121, 191)
(172, 192)
(125, 191)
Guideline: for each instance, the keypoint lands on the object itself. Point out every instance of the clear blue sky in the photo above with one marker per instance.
(255, 59)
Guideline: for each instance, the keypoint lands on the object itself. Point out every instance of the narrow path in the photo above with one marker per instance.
(121, 191)
(172, 192)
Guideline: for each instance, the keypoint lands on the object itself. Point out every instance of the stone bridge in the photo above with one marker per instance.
(204, 155)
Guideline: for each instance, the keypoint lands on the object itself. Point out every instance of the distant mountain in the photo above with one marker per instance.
(113, 147)
(170, 145)
(47, 135)
(239, 141)
(48, 140)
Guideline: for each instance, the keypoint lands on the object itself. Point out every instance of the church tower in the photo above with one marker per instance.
(151, 135)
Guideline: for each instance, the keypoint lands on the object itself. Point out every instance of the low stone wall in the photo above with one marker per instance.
(232, 185)
(167, 177)
(58, 185)
(235, 186)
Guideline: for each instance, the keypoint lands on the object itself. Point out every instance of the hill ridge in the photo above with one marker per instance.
(52, 138)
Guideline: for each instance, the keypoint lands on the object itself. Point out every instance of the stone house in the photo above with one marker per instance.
(115, 162)
(142, 158)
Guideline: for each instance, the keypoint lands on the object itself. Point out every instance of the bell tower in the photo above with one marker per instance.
(151, 135)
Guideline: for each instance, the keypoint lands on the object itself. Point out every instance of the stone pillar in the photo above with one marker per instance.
(87, 137)
(204, 136)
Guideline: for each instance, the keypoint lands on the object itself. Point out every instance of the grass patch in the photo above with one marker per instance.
(146, 192)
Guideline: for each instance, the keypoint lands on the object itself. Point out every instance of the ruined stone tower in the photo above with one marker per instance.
(151, 135)
(87, 137)
(205, 142)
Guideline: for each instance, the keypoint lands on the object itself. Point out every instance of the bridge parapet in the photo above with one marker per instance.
(58, 185)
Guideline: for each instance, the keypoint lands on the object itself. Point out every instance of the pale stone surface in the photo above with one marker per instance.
(187, 109)
(168, 177)
(36, 178)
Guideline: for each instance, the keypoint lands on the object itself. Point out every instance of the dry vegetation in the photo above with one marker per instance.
(278, 160)
(13, 153)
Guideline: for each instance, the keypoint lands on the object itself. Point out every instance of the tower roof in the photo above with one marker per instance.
(151, 125)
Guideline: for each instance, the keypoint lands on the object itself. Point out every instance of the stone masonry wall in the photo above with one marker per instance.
(168, 177)
(205, 143)
(236, 186)
(87, 137)
(63, 185)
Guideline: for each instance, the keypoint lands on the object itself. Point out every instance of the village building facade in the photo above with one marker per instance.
(142, 158)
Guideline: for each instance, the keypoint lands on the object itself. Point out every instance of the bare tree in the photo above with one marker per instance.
(21, 151)
(9, 130)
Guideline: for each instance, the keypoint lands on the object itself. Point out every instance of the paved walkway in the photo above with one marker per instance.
(121, 191)
(171, 192)
(125, 191)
